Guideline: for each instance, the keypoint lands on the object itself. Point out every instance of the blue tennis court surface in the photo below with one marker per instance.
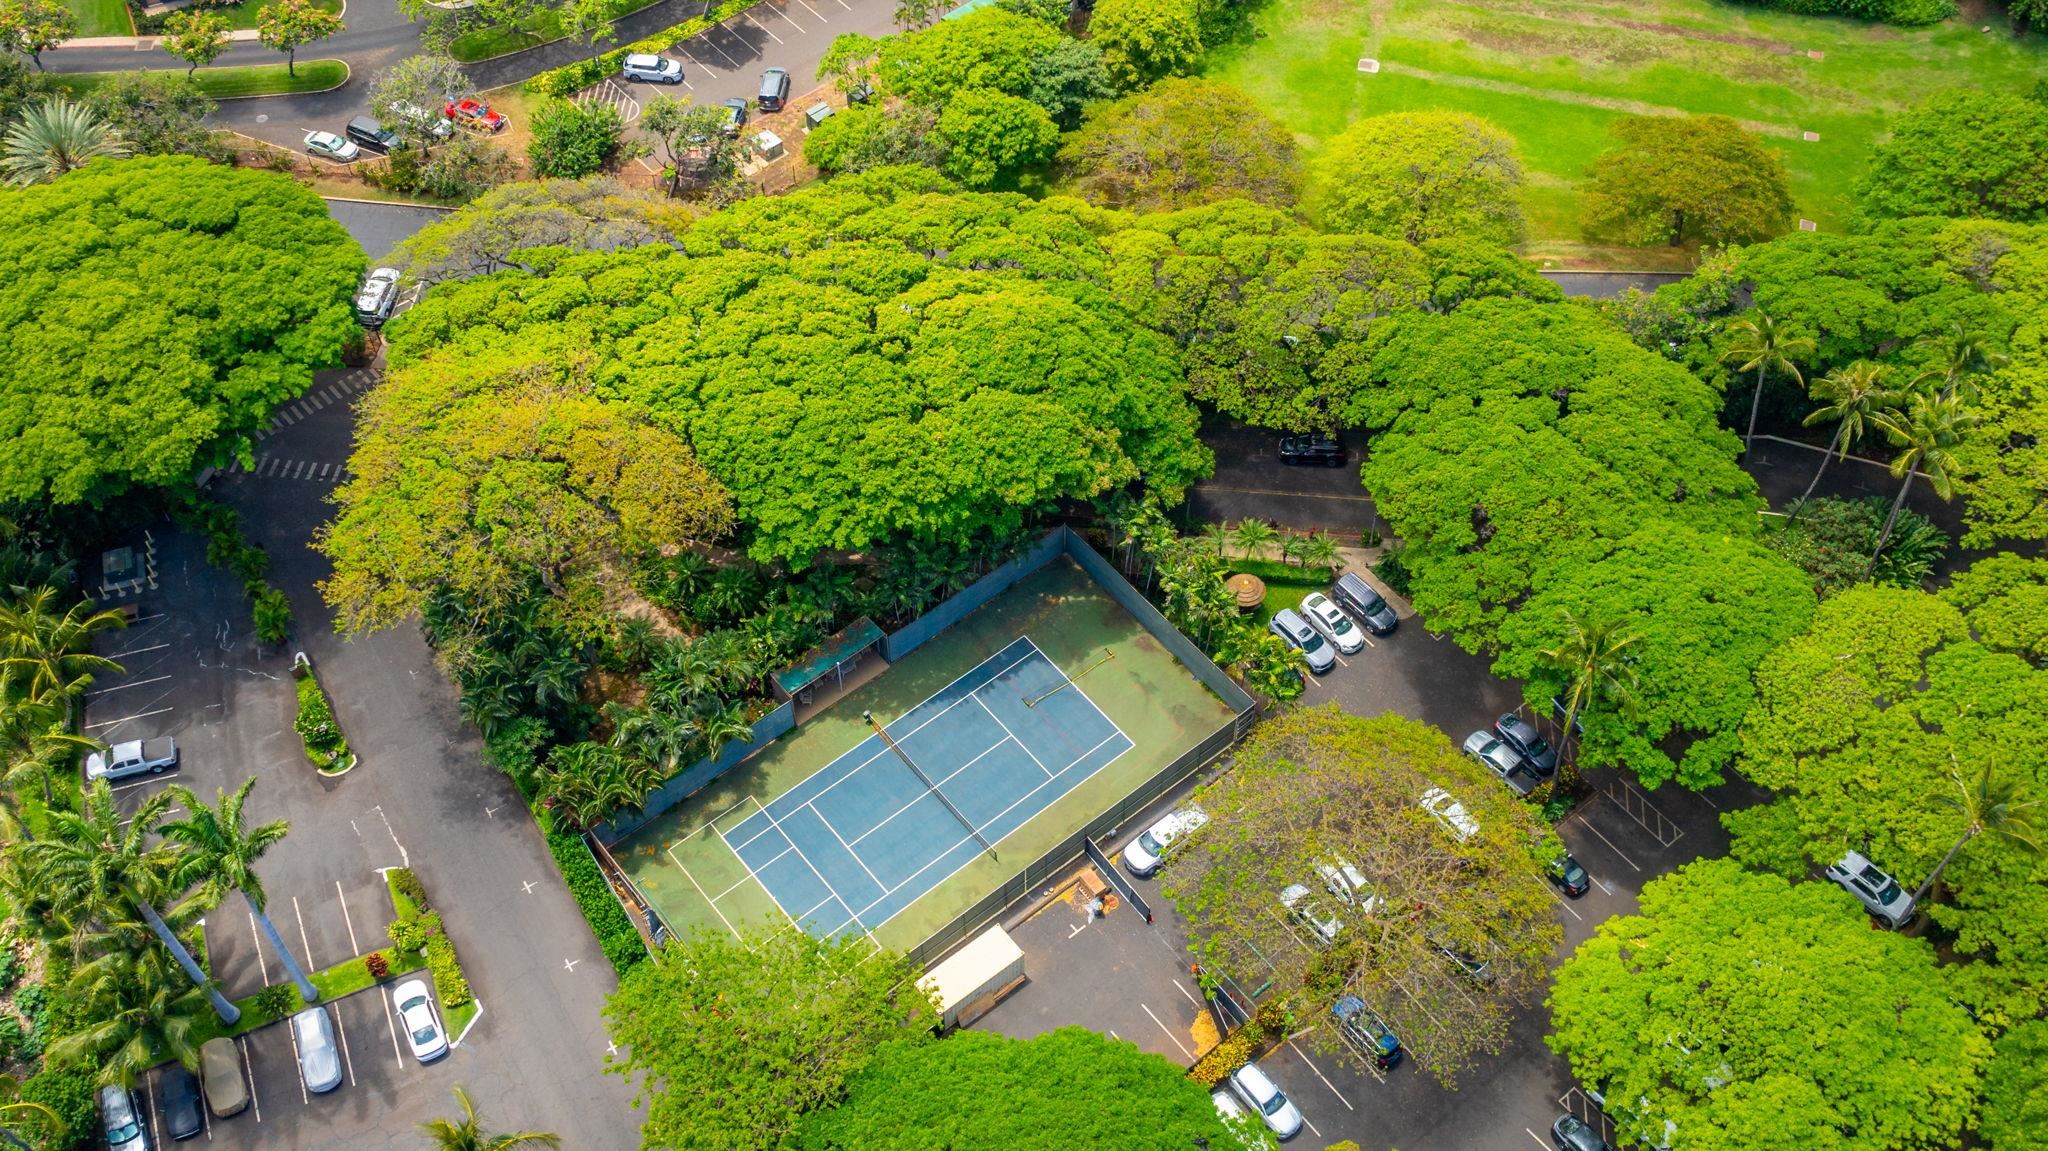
(863, 838)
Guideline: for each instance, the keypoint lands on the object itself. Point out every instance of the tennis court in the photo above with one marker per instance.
(829, 828)
(851, 846)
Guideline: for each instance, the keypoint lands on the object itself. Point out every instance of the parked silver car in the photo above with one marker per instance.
(1290, 627)
(651, 68)
(319, 1058)
(1500, 759)
(119, 1120)
(1879, 893)
(1313, 912)
(1251, 1084)
(1145, 853)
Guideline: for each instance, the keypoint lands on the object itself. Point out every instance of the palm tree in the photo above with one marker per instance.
(1217, 536)
(1319, 549)
(663, 733)
(727, 724)
(54, 139)
(1591, 656)
(99, 859)
(226, 855)
(1996, 806)
(17, 1107)
(52, 649)
(468, 1133)
(1853, 394)
(1290, 547)
(1959, 353)
(141, 1013)
(1761, 344)
(1251, 537)
(1926, 435)
(35, 739)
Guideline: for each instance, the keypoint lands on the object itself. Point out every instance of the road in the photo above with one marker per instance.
(724, 62)
(421, 796)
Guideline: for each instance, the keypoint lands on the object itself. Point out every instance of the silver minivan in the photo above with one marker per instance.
(1289, 626)
(319, 1059)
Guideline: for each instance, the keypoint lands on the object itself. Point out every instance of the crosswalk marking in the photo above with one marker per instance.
(349, 385)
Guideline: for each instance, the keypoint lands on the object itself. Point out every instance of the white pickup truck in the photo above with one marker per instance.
(136, 757)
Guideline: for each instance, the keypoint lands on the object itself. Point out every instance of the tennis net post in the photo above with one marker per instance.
(972, 830)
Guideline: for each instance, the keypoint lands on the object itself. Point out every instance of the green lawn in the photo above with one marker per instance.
(101, 17)
(1285, 584)
(482, 43)
(1555, 74)
(226, 83)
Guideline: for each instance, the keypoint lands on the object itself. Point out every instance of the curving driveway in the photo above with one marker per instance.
(721, 63)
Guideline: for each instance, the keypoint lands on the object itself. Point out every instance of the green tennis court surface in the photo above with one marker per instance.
(842, 837)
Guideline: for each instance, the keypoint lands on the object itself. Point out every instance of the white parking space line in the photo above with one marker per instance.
(390, 1021)
(785, 15)
(126, 718)
(761, 26)
(249, 1073)
(814, 12)
(354, 948)
(1539, 1140)
(155, 1108)
(125, 686)
(1604, 885)
(709, 74)
(721, 55)
(1169, 1033)
(1588, 825)
(304, 943)
(1567, 905)
(1184, 991)
(343, 1033)
(139, 650)
(845, 5)
(1312, 1126)
(1319, 1074)
(296, 1065)
(262, 964)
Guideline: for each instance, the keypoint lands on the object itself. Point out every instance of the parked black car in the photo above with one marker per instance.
(1569, 875)
(1570, 1133)
(1319, 449)
(179, 1090)
(1538, 757)
(371, 136)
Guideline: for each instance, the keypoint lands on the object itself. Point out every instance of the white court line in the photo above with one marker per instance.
(842, 840)
(1169, 1033)
(126, 718)
(771, 862)
(700, 891)
(1010, 735)
(920, 798)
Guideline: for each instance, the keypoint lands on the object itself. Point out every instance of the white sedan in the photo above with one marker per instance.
(1328, 618)
(416, 1018)
(331, 146)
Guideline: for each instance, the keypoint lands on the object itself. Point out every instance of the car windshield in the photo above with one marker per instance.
(1889, 892)
(1313, 642)
(1339, 623)
(1274, 1103)
(1150, 844)
(125, 1132)
(424, 1033)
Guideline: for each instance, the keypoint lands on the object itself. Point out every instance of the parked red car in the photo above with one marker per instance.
(475, 114)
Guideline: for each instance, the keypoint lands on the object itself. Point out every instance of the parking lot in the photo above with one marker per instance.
(1120, 975)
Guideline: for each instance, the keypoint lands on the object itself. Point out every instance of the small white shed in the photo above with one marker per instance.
(976, 977)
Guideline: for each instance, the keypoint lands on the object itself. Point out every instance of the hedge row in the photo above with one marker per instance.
(1904, 13)
(613, 927)
(583, 73)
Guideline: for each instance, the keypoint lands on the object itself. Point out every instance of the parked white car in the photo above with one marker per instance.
(1348, 884)
(651, 68)
(1879, 893)
(1326, 617)
(1145, 854)
(1258, 1091)
(415, 1006)
(1314, 914)
(1449, 812)
(319, 1058)
(332, 146)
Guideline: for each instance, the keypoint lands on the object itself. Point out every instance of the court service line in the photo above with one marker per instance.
(1013, 735)
(757, 879)
(991, 822)
(905, 737)
(822, 881)
(707, 898)
(842, 842)
(939, 783)
(742, 883)
(1070, 681)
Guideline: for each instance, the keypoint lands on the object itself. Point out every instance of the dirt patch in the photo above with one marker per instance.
(1695, 34)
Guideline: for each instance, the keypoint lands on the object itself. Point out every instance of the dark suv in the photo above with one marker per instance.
(1537, 755)
(1318, 449)
(371, 136)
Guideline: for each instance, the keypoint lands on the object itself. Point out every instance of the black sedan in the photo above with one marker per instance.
(1319, 449)
(1569, 875)
(179, 1090)
(1538, 757)
(1571, 1133)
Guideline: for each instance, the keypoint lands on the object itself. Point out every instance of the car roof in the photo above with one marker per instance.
(642, 58)
(1256, 1080)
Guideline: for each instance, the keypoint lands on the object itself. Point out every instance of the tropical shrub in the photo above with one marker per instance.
(325, 746)
(447, 972)
(608, 921)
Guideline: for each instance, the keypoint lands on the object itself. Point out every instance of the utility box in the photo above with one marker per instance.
(975, 978)
(769, 144)
(817, 114)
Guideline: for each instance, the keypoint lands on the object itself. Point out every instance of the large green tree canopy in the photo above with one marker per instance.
(1069, 1088)
(1535, 461)
(1420, 176)
(866, 360)
(1966, 152)
(152, 314)
(1866, 724)
(1752, 1014)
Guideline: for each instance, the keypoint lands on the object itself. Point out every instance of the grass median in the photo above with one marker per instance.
(231, 83)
